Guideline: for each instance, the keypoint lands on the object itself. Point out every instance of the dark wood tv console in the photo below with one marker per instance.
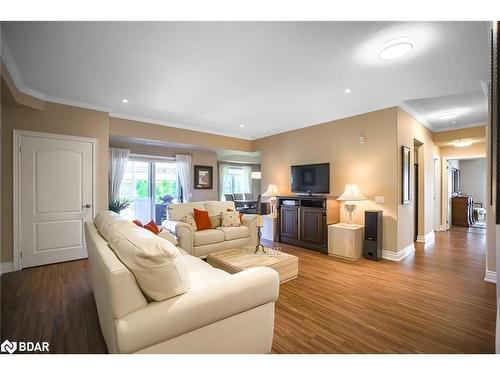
(304, 220)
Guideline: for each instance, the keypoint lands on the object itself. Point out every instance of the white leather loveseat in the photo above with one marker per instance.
(219, 312)
(203, 242)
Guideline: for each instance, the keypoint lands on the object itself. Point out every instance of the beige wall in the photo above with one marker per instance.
(473, 179)
(409, 130)
(55, 118)
(142, 130)
(199, 157)
(476, 150)
(372, 165)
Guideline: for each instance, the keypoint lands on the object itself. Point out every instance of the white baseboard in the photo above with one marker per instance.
(397, 256)
(427, 238)
(490, 277)
(6, 267)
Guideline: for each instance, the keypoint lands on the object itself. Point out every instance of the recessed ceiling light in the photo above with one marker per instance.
(448, 115)
(462, 143)
(347, 91)
(242, 126)
(453, 122)
(125, 101)
(395, 48)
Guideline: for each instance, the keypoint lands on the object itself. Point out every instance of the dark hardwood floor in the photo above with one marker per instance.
(434, 301)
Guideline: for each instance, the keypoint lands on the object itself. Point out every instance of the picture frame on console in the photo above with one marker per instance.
(405, 175)
(203, 177)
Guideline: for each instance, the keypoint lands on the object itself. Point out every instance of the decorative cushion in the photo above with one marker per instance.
(137, 222)
(233, 233)
(216, 221)
(202, 219)
(230, 219)
(176, 211)
(151, 226)
(216, 207)
(208, 237)
(106, 223)
(189, 219)
(156, 263)
(241, 213)
(165, 234)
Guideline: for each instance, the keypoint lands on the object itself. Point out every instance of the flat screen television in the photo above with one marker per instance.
(311, 178)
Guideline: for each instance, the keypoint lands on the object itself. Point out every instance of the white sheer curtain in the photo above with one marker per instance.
(223, 177)
(184, 173)
(118, 158)
(247, 175)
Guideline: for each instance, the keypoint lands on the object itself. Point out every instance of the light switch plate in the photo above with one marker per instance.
(380, 200)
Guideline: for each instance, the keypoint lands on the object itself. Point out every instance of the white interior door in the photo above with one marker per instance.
(56, 191)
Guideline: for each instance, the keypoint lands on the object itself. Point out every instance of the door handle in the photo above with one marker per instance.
(86, 206)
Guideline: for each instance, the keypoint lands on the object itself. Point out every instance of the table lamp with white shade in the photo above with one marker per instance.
(350, 195)
(271, 192)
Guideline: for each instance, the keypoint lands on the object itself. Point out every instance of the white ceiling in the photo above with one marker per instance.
(269, 76)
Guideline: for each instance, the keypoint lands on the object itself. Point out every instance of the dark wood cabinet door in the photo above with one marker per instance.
(312, 223)
(289, 222)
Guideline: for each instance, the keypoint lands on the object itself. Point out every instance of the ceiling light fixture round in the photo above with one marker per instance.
(347, 91)
(242, 126)
(395, 48)
(462, 143)
(125, 101)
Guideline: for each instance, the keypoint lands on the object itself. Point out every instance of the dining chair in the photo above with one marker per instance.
(239, 196)
(248, 196)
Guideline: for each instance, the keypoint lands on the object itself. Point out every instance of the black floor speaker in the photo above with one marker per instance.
(372, 245)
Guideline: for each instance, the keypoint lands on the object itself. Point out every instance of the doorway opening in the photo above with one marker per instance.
(466, 193)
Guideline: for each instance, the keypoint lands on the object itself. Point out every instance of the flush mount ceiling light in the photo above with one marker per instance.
(347, 91)
(242, 126)
(448, 115)
(395, 48)
(125, 101)
(462, 143)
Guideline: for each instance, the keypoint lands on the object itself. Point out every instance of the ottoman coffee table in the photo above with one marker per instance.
(239, 259)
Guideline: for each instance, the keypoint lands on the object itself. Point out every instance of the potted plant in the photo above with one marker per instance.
(119, 204)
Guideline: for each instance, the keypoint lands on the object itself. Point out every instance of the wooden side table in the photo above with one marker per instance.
(345, 242)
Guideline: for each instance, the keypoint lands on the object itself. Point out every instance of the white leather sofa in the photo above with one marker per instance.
(203, 242)
(220, 312)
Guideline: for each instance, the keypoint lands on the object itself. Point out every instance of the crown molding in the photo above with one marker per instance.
(416, 116)
(8, 60)
(150, 120)
(465, 126)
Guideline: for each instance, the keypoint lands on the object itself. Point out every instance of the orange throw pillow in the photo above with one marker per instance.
(152, 227)
(202, 219)
(241, 213)
(137, 222)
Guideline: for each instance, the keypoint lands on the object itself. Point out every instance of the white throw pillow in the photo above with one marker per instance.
(157, 264)
(106, 223)
(165, 234)
(230, 219)
(189, 219)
